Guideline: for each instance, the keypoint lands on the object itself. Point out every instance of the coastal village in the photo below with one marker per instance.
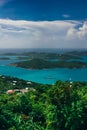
(20, 91)
(14, 86)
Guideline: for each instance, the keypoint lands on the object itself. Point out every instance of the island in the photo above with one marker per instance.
(47, 64)
(46, 55)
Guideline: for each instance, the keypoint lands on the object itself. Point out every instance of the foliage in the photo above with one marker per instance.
(56, 107)
(42, 64)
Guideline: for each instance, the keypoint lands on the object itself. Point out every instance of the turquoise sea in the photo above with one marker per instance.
(45, 76)
(48, 76)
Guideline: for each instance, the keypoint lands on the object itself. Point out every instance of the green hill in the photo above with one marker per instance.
(62, 106)
(43, 64)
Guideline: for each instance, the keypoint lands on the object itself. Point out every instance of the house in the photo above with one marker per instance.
(24, 90)
(29, 82)
(10, 92)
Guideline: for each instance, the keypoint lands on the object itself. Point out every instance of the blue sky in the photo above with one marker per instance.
(44, 9)
(43, 23)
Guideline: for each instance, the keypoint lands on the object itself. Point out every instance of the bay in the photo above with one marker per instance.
(45, 76)
(48, 76)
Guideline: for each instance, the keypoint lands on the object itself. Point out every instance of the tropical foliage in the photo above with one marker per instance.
(62, 106)
(43, 64)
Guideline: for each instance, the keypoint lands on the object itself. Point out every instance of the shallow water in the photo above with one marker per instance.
(45, 76)
(48, 76)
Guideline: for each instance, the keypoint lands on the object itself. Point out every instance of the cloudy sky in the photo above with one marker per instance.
(43, 23)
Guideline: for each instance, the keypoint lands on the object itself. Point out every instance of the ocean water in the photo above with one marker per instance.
(48, 76)
(45, 76)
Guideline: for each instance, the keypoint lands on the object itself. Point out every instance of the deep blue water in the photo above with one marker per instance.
(45, 76)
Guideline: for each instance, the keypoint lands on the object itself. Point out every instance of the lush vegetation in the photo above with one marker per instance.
(42, 64)
(62, 106)
(7, 82)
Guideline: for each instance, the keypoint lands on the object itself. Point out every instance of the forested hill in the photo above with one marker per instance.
(62, 106)
(43, 64)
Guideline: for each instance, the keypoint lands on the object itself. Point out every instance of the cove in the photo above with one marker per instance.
(45, 76)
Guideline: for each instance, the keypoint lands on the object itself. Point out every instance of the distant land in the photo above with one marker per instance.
(4, 58)
(45, 60)
(43, 64)
(49, 50)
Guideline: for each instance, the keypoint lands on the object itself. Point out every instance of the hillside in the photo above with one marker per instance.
(43, 64)
(62, 106)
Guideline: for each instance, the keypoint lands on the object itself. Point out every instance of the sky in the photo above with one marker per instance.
(43, 23)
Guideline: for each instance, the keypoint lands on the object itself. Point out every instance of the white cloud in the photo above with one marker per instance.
(80, 32)
(66, 15)
(42, 34)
